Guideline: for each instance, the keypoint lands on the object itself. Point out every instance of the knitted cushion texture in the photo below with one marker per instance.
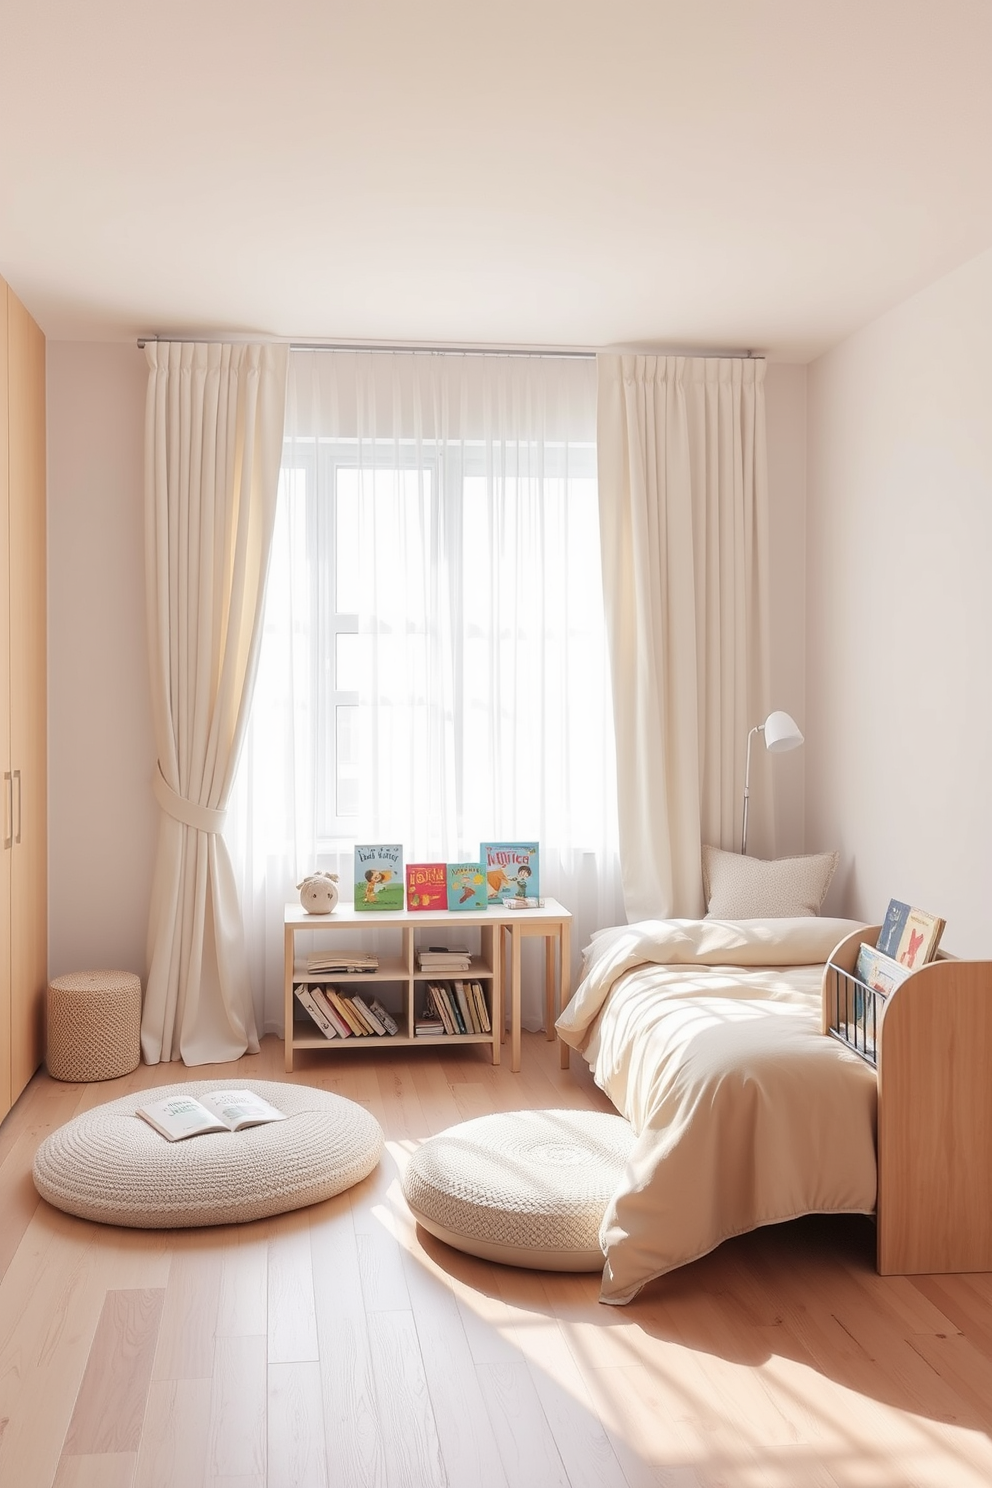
(110, 1165)
(535, 1181)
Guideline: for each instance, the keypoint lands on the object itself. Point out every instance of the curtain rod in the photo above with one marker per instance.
(582, 353)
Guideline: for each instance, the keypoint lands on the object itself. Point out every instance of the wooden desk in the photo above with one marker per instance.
(553, 923)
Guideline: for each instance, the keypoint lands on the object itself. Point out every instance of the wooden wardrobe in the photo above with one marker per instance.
(23, 704)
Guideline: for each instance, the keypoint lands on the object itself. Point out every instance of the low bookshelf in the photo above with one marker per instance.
(397, 982)
(930, 1043)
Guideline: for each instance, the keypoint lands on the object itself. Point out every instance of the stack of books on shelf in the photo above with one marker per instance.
(340, 1015)
(444, 958)
(460, 1006)
(338, 963)
(428, 1024)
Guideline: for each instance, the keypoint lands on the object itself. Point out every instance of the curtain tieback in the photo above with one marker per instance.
(202, 818)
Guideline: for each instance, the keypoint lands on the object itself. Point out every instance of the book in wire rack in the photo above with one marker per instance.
(910, 936)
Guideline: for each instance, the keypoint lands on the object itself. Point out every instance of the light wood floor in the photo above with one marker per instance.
(340, 1346)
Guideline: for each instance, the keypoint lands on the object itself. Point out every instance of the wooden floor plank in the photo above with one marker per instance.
(187, 1336)
(174, 1442)
(110, 1406)
(238, 1409)
(352, 1428)
(296, 1451)
(106, 1470)
(292, 1326)
(411, 1446)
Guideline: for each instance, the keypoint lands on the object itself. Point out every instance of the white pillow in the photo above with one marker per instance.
(741, 888)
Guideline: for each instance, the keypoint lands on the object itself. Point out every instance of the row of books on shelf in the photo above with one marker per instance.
(908, 939)
(454, 1007)
(505, 874)
(341, 1015)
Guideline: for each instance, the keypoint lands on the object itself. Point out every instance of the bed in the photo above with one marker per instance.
(706, 1035)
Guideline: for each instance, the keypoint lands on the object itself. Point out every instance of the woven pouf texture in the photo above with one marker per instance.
(94, 1025)
(528, 1188)
(110, 1165)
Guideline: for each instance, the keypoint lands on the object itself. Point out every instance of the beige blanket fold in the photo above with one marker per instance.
(706, 1036)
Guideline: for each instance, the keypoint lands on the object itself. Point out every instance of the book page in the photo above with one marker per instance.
(240, 1108)
(179, 1116)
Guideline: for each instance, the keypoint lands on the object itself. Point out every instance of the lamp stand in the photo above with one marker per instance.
(758, 728)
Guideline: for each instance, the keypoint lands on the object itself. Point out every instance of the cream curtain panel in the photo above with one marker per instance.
(213, 441)
(683, 520)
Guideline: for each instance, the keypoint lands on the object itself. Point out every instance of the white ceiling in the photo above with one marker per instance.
(765, 174)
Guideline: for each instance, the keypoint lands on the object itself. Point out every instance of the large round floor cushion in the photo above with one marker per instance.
(110, 1165)
(527, 1188)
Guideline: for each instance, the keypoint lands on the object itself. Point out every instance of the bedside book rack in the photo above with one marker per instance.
(930, 1043)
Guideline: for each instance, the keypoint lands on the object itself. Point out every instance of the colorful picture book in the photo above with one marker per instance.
(466, 886)
(379, 876)
(426, 886)
(910, 936)
(879, 971)
(512, 870)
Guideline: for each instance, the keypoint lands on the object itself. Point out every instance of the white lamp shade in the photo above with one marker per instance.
(781, 732)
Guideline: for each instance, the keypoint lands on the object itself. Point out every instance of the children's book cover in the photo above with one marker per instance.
(379, 876)
(511, 869)
(466, 886)
(426, 886)
(910, 936)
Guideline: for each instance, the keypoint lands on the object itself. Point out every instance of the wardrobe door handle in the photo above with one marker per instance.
(8, 809)
(17, 777)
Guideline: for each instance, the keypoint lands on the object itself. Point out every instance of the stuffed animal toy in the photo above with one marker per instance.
(319, 893)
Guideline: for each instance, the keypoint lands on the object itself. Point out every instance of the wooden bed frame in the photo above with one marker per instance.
(934, 1068)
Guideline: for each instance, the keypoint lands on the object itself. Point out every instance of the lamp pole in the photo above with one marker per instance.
(758, 728)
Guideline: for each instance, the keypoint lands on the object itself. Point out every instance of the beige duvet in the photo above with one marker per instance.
(706, 1035)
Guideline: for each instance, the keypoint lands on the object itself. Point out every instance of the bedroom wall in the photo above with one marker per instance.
(102, 819)
(899, 619)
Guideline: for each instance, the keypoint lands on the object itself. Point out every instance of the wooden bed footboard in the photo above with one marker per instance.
(931, 1046)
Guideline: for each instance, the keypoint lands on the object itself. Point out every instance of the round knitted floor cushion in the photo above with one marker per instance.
(528, 1188)
(110, 1165)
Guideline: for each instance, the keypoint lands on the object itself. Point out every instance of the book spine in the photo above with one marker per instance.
(385, 1018)
(378, 1027)
(463, 1007)
(341, 1026)
(485, 1025)
(440, 1002)
(452, 1001)
(307, 1001)
(358, 1010)
(344, 1010)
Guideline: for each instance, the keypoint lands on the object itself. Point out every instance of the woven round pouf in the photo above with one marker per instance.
(527, 1188)
(94, 1025)
(110, 1165)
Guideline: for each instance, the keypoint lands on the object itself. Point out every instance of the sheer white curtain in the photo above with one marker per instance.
(434, 669)
(684, 516)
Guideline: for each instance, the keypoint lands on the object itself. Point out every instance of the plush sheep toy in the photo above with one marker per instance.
(319, 893)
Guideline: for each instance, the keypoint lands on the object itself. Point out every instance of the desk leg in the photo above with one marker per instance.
(289, 959)
(550, 986)
(495, 933)
(565, 982)
(515, 939)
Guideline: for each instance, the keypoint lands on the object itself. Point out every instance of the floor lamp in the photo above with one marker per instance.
(781, 733)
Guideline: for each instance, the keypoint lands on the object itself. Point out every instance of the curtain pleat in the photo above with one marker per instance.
(683, 520)
(213, 440)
